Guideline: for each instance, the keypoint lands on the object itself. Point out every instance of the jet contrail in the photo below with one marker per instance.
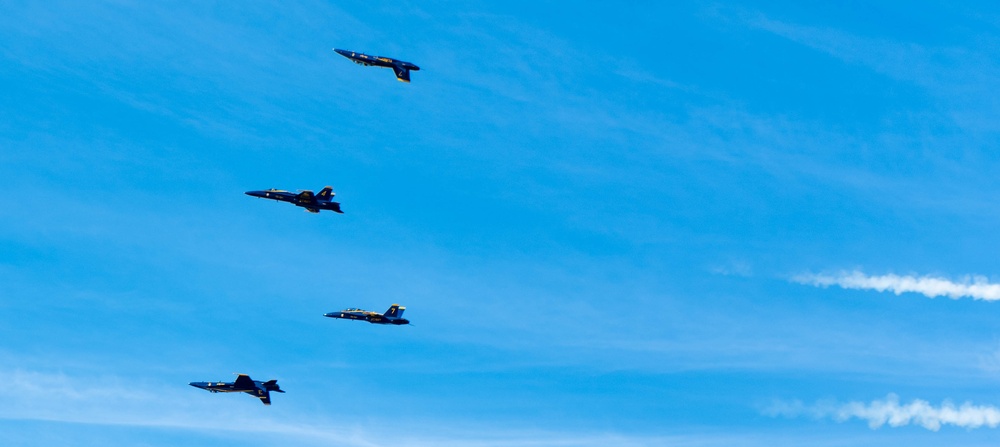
(976, 287)
(890, 411)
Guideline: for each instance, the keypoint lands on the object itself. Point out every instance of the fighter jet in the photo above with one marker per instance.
(392, 316)
(401, 68)
(305, 199)
(243, 384)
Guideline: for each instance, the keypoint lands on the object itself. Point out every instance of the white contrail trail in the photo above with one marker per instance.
(976, 287)
(890, 411)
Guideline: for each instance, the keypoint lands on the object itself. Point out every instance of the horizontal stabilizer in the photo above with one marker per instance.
(272, 385)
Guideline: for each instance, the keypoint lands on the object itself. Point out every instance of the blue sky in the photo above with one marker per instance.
(708, 224)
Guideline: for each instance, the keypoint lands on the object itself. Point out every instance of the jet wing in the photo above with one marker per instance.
(306, 196)
(402, 74)
(244, 381)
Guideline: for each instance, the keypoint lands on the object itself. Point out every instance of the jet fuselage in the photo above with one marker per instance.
(305, 199)
(243, 384)
(392, 316)
(401, 68)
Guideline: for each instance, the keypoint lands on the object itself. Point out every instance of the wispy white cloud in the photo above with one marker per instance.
(961, 75)
(990, 361)
(733, 268)
(976, 287)
(890, 411)
(119, 402)
(115, 401)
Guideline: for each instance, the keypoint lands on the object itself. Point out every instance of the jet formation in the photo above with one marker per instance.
(243, 384)
(401, 68)
(313, 203)
(392, 316)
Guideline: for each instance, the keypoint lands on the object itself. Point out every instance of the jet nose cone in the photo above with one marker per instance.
(254, 193)
(198, 384)
(341, 52)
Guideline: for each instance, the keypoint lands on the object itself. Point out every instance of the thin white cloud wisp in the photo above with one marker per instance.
(975, 287)
(890, 411)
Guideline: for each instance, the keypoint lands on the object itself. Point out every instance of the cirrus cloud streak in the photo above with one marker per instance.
(975, 287)
(890, 411)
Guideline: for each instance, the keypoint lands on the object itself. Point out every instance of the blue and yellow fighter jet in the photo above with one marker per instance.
(401, 68)
(243, 384)
(305, 199)
(392, 316)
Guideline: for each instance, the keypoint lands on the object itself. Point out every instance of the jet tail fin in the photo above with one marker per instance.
(325, 195)
(264, 396)
(402, 74)
(395, 311)
(272, 385)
